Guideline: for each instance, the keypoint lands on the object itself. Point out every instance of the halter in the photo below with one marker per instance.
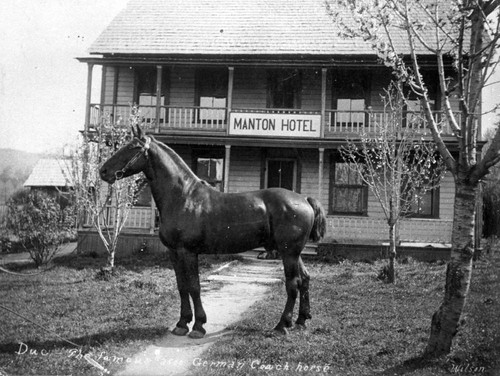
(144, 150)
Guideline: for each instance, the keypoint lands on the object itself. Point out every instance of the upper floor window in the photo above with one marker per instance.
(211, 94)
(145, 93)
(351, 96)
(284, 88)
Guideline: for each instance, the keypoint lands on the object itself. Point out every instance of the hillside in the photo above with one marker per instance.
(15, 167)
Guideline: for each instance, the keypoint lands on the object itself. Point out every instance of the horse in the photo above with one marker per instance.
(195, 219)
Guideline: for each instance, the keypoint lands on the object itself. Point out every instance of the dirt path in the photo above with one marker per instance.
(226, 295)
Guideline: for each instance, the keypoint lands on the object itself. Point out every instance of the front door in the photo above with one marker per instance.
(281, 173)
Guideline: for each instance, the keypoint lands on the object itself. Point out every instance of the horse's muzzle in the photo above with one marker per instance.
(108, 178)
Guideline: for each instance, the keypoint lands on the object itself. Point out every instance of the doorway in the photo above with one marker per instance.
(281, 173)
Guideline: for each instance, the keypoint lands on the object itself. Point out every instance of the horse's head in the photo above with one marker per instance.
(129, 160)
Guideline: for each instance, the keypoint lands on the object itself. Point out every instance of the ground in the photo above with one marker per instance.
(360, 325)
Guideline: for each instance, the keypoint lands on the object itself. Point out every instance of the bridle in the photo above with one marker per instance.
(144, 151)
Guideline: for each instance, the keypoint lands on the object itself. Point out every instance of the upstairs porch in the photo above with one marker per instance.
(275, 102)
(330, 124)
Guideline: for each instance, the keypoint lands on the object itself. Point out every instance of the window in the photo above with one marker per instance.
(284, 88)
(146, 92)
(143, 194)
(350, 95)
(427, 206)
(211, 90)
(208, 164)
(348, 194)
(211, 170)
(414, 111)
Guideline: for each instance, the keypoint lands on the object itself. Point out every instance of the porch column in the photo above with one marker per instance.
(321, 164)
(103, 87)
(90, 67)
(230, 81)
(323, 101)
(227, 163)
(152, 216)
(116, 78)
(158, 97)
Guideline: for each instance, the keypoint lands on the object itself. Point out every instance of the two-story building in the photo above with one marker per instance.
(255, 94)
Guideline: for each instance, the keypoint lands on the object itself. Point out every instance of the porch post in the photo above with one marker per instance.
(158, 97)
(227, 163)
(90, 67)
(103, 87)
(152, 217)
(116, 78)
(230, 81)
(323, 101)
(321, 164)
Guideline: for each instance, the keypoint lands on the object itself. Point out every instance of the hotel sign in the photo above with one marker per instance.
(274, 125)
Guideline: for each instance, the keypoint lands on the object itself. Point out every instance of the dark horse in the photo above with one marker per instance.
(197, 219)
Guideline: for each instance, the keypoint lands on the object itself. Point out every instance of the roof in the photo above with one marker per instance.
(229, 27)
(50, 173)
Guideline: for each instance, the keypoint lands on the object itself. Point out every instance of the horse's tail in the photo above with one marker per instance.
(319, 226)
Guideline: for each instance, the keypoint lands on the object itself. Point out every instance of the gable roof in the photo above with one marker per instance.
(228, 27)
(50, 173)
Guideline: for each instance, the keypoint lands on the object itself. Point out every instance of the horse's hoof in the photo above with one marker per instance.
(180, 331)
(300, 326)
(196, 334)
(281, 331)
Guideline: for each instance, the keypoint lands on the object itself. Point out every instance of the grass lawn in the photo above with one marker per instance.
(362, 326)
(113, 319)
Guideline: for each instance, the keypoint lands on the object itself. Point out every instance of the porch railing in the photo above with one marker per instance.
(350, 122)
(194, 118)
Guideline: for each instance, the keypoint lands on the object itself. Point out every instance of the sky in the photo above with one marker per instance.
(42, 85)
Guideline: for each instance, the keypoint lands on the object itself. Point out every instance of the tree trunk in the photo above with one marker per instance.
(111, 259)
(446, 319)
(391, 277)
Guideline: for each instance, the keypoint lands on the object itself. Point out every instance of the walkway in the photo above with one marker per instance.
(226, 294)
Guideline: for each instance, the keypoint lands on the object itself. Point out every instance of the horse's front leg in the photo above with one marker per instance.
(200, 317)
(188, 282)
(186, 315)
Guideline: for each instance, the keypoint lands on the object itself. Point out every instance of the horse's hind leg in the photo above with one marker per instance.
(304, 308)
(291, 266)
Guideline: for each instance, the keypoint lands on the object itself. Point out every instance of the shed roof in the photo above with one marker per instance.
(230, 27)
(50, 173)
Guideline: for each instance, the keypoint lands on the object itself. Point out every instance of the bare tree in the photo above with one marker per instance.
(397, 164)
(105, 207)
(462, 37)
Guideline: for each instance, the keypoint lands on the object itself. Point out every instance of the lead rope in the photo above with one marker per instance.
(86, 356)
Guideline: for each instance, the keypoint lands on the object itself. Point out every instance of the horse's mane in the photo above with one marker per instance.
(178, 160)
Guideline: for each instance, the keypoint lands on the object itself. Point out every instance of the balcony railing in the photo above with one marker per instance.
(355, 122)
(337, 123)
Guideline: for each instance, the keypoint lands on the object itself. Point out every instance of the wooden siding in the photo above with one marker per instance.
(244, 171)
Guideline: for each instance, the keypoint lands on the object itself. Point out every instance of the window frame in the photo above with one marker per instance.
(139, 81)
(353, 86)
(334, 161)
(206, 153)
(205, 82)
(274, 80)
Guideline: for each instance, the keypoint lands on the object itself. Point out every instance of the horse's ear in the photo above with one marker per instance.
(133, 132)
(140, 133)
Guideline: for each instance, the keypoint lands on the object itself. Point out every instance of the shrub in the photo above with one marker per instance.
(39, 222)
